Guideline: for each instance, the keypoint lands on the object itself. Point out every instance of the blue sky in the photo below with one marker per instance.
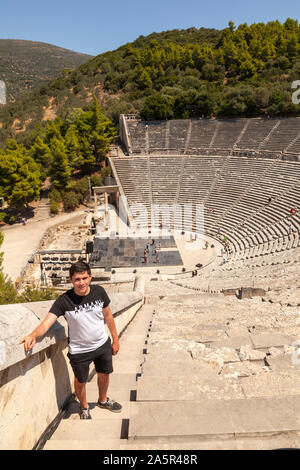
(94, 27)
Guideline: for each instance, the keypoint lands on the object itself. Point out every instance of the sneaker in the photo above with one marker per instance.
(84, 413)
(110, 405)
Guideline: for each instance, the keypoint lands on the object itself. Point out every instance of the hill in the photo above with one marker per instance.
(239, 71)
(25, 65)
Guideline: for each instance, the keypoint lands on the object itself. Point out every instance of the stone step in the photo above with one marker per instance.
(79, 444)
(116, 382)
(185, 388)
(127, 366)
(139, 327)
(290, 440)
(121, 387)
(98, 413)
(272, 442)
(85, 430)
(212, 418)
(133, 339)
(182, 365)
(127, 353)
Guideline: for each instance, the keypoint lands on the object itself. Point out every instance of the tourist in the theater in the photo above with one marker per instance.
(86, 310)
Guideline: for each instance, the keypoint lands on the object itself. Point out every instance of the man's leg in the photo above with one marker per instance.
(104, 401)
(103, 382)
(103, 366)
(80, 390)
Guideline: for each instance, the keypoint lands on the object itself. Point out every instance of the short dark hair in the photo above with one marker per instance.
(79, 267)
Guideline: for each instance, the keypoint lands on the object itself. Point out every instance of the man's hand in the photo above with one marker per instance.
(115, 347)
(109, 320)
(29, 341)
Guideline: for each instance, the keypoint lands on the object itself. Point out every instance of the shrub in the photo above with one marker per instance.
(54, 207)
(70, 200)
(35, 295)
(55, 195)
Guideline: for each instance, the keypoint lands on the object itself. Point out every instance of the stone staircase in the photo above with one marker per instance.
(43, 209)
(196, 372)
(107, 430)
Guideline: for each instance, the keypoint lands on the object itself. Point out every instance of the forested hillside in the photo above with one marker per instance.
(65, 151)
(244, 70)
(25, 65)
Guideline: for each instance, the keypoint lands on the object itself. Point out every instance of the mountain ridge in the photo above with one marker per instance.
(238, 71)
(26, 65)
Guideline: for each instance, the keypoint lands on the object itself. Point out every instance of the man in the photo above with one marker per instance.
(86, 310)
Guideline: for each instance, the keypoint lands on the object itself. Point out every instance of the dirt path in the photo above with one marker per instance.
(21, 241)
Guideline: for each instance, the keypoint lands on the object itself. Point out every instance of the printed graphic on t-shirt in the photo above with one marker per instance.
(89, 307)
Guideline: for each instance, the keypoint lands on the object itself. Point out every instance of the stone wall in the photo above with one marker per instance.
(35, 386)
(124, 132)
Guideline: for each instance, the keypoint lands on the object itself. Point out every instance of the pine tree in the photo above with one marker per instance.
(20, 177)
(40, 152)
(60, 170)
(8, 293)
(73, 149)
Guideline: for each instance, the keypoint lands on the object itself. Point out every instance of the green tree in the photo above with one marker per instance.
(70, 200)
(8, 293)
(53, 130)
(20, 177)
(158, 107)
(73, 148)
(37, 295)
(40, 152)
(60, 170)
(143, 79)
(88, 151)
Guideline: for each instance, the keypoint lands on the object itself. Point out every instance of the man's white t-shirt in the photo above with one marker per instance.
(86, 327)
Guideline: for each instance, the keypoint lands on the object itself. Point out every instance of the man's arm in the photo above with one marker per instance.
(109, 320)
(30, 340)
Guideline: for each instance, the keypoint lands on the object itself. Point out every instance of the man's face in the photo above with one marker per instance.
(81, 283)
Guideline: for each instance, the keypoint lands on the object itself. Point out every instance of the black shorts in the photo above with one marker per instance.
(101, 357)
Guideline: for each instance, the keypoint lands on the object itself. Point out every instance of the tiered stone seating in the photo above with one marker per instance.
(294, 146)
(202, 133)
(164, 191)
(269, 271)
(286, 131)
(257, 136)
(257, 131)
(177, 134)
(198, 176)
(228, 132)
(233, 190)
(157, 136)
(137, 136)
(134, 176)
